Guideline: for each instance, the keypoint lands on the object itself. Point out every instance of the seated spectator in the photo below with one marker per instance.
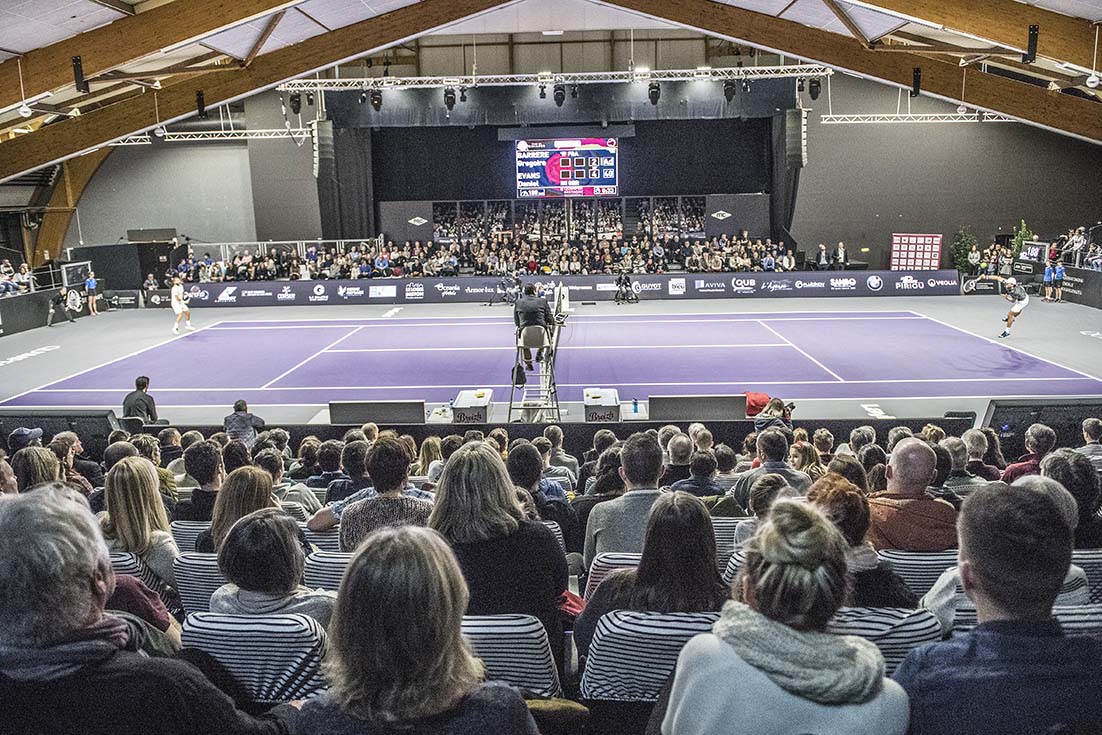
(860, 437)
(904, 517)
(677, 572)
(701, 479)
(960, 480)
(525, 465)
(775, 415)
(602, 440)
(1039, 441)
(138, 404)
(620, 524)
(773, 450)
(500, 437)
(67, 666)
(749, 458)
(976, 442)
(63, 450)
(220, 438)
(271, 461)
(388, 462)
(1015, 551)
(398, 658)
(726, 461)
(823, 441)
(148, 447)
(1076, 474)
(765, 491)
(878, 479)
(8, 484)
(203, 461)
(932, 433)
(511, 564)
(850, 468)
(245, 490)
(84, 465)
(33, 466)
(305, 465)
(564, 478)
(136, 520)
(560, 458)
(667, 432)
(171, 446)
(947, 595)
(241, 424)
(236, 455)
(371, 432)
(703, 440)
(262, 560)
(805, 458)
(768, 665)
(943, 468)
(1092, 438)
(606, 484)
(430, 452)
(896, 435)
(331, 464)
(874, 582)
(994, 454)
(871, 455)
(448, 445)
(680, 465)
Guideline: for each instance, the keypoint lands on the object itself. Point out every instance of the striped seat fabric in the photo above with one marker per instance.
(603, 564)
(1079, 620)
(965, 617)
(724, 529)
(324, 540)
(293, 509)
(321, 493)
(633, 653)
(895, 631)
(919, 569)
(275, 658)
(123, 562)
(557, 530)
(325, 569)
(185, 533)
(1090, 561)
(515, 650)
(197, 578)
(734, 564)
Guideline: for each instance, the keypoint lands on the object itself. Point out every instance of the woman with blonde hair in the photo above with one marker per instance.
(245, 490)
(430, 452)
(34, 466)
(769, 665)
(135, 520)
(397, 658)
(511, 564)
(805, 458)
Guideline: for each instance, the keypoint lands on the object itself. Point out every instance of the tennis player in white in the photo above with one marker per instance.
(179, 306)
(1016, 295)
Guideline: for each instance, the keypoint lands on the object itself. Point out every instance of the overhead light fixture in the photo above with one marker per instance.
(746, 86)
(160, 131)
(310, 98)
(462, 94)
(25, 110)
(376, 100)
(654, 92)
(201, 104)
(449, 98)
(1093, 80)
(916, 82)
(552, 33)
(559, 95)
(703, 72)
(729, 88)
(363, 96)
(545, 77)
(642, 74)
(296, 103)
(543, 91)
(815, 88)
(962, 109)
(156, 84)
(573, 91)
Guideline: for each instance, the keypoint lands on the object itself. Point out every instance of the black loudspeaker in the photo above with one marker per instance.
(323, 143)
(795, 138)
(381, 412)
(1030, 55)
(916, 83)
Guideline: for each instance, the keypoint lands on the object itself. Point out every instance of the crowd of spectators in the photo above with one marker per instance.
(451, 526)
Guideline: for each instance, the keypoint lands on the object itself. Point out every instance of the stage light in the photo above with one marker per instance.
(746, 86)
(916, 82)
(962, 109)
(201, 104)
(654, 91)
(160, 131)
(573, 91)
(559, 95)
(1093, 81)
(1030, 55)
(78, 76)
(462, 94)
(310, 98)
(376, 100)
(363, 96)
(815, 88)
(449, 98)
(296, 103)
(729, 88)
(800, 85)
(25, 110)
(543, 91)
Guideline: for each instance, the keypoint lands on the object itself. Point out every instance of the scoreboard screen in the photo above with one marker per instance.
(577, 167)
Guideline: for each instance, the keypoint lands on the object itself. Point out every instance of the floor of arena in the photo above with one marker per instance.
(288, 362)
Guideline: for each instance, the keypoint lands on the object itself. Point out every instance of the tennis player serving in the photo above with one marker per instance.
(1016, 295)
(179, 306)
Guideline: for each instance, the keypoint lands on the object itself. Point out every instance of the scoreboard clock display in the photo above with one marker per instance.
(578, 167)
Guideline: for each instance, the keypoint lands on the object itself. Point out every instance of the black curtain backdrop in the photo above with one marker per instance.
(346, 188)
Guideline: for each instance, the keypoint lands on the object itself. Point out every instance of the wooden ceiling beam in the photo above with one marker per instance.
(126, 40)
(176, 100)
(1026, 102)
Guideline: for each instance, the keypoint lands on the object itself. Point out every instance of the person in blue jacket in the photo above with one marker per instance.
(90, 284)
(1058, 281)
(1049, 270)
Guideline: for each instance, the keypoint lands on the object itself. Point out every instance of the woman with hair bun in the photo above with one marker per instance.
(769, 666)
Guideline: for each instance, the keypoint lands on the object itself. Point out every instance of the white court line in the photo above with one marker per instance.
(1009, 347)
(308, 359)
(508, 348)
(802, 352)
(580, 385)
(112, 361)
(394, 324)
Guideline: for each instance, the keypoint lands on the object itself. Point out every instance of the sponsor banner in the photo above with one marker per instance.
(121, 299)
(1083, 286)
(475, 289)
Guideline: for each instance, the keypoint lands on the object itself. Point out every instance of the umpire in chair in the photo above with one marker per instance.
(534, 320)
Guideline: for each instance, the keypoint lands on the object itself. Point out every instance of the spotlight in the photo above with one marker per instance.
(800, 85)
(25, 110)
(962, 109)
(159, 131)
(363, 96)
(654, 91)
(449, 98)
(916, 83)
(376, 100)
(559, 95)
(573, 91)
(1093, 81)
(815, 88)
(1030, 55)
(543, 91)
(78, 76)
(310, 98)
(729, 88)
(201, 104)
(746, 86)
(462, 94)
(296, 103)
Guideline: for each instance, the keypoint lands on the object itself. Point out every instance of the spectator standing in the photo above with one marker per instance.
(242, 425)
(904, 517)
(772, 446)
(388, 462)
(139, 404)
(1039, 441)
(620, 524)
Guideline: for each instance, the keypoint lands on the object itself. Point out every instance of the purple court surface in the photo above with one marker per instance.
(895, 354)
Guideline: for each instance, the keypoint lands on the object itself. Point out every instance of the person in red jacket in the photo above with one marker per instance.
(1039, 441)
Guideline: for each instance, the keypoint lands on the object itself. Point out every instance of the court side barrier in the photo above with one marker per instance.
(474, 289)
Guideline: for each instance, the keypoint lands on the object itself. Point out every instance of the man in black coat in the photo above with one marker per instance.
(532, 311)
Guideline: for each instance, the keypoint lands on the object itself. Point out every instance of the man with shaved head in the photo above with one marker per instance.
(904, 517)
